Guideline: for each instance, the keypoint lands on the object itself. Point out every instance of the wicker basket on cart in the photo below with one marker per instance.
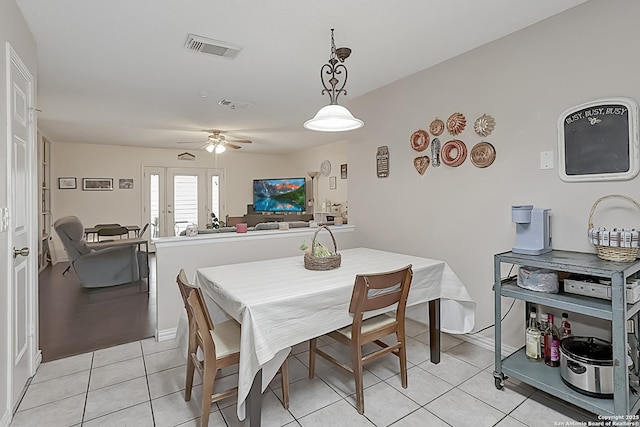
(312, 262)
(614, 251)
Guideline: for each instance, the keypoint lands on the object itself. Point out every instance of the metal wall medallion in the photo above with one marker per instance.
(456, 123)
(484, 125)
(483, 154)
(435, 152)
(421, 164)
(453, 153)
(436, 127)
(419, 140)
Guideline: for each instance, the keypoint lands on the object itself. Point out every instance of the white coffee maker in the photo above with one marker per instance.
(533, 230)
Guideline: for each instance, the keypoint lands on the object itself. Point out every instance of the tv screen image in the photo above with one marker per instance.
(279, 195)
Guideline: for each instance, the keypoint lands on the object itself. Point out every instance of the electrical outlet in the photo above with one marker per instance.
(546, 160)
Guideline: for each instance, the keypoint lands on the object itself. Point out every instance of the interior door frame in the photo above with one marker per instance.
(34, 355)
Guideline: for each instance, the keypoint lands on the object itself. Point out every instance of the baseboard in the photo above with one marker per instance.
(6, 418)
(166, 334)
(37, 361)
(486, 343)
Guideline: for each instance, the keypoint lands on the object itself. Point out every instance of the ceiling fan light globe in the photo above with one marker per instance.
(220, 148)
(333, 118)
(210, 148)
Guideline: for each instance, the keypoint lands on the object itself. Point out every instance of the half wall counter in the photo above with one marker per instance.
(209, 250)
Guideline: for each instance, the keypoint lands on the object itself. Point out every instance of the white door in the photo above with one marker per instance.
(187, 199)
(191, 195)
(21, 222)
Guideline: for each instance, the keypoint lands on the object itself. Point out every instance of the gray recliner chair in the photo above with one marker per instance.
(98, 264)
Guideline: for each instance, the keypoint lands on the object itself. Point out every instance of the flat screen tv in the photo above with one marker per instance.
(279, 195)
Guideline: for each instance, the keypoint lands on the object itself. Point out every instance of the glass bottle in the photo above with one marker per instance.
(542, 326)
(565, 326)
(533, 338)
(551, 344)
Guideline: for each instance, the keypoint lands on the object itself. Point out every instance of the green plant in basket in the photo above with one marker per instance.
(319, 250)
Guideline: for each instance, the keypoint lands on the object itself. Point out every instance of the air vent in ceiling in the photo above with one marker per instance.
(211, 47)
(235, 105)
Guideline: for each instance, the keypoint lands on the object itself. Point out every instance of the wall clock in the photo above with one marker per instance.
(325, 168)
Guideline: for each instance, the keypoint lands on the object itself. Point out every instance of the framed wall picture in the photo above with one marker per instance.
(332, 183)
(67, 183)
(97, 184)
(343, 171)
(125, 184)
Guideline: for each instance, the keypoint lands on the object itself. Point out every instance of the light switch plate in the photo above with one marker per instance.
(4, 219)
(546, 160)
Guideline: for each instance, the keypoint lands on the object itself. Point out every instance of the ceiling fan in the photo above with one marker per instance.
(218, 142)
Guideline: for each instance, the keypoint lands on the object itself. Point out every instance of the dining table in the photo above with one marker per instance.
(279, 303)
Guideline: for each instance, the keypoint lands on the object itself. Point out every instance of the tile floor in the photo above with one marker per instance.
(142, 384)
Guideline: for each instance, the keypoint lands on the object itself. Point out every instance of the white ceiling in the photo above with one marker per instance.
(117, 72)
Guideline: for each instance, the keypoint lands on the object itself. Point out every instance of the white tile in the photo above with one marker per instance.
(343, 383)
(413, 328)
(447, 341)
(297, 371)
(61, 367)
(483, 387)
(451, 369)
(170, 381)
(273, 413)
(384, 405)
(510, 422)
(150, 345)
(116, 354)
(59, 388)
(116, 397)
(417, 351)
(63, 413)
(116, 372)
(160, 361)
(541, 408)
(420, 418)
(138, 416)
(470, 353)
(309, 396)
(171, 410)
(462, 410)
(339, 413)
(422, 388)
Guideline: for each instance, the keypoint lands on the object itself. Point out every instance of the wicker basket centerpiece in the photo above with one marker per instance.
(615, 244)
(319, 257)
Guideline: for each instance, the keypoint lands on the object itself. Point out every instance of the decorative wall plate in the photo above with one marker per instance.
(456, 123)
(484, 125)
(436, 127)
(453, 153)
(419, 140)
(435, 152)
(421, 164)
(483, 154)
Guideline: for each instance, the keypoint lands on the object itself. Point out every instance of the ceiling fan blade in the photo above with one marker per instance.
(241, 141)
(232, 146)
(189, 142)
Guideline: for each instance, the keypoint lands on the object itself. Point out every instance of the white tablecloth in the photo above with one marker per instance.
(280, 303)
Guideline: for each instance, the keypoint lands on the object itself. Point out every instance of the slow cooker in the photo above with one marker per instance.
(586, 365)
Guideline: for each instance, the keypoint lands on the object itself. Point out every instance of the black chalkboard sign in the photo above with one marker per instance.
(598, 141)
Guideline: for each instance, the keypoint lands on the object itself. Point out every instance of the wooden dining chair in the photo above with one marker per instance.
(372, 292)
(220, 345)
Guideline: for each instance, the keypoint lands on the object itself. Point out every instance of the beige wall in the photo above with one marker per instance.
(525, 81)
(13, 29)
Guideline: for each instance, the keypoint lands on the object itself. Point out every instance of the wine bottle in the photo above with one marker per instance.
(566, 326)
(533, 338)
(551, 344)
(542, 326)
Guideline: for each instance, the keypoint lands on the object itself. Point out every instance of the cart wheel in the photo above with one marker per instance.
(499, 383)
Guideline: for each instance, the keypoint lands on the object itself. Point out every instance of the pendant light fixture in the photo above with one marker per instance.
(334, 117)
